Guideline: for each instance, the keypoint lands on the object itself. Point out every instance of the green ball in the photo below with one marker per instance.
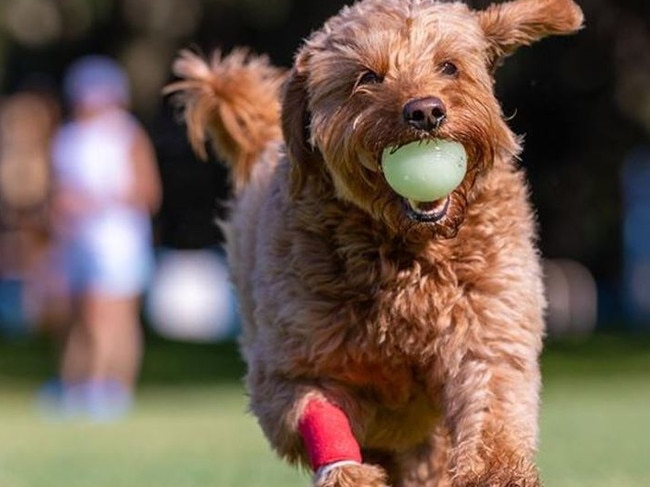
(425, 171)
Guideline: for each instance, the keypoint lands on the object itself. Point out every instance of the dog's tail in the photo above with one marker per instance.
(235, 101)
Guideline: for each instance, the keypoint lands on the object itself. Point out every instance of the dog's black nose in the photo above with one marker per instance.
(425, 113)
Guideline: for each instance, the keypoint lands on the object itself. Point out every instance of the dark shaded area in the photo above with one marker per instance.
(165, 362)
(194, 191)
(603, 355)
(168, 363)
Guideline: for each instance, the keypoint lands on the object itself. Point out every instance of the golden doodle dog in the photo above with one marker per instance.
(388, 341)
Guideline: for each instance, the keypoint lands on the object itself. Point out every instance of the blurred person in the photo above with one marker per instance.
(106, 187)
(28, 120)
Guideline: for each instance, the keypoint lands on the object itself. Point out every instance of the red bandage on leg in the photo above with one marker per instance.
(326, 432)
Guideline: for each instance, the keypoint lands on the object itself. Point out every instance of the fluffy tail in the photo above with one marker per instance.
(235, 101)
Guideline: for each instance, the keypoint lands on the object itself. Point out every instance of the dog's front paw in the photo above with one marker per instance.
(352, 475)
(502, 478)
(507, 483)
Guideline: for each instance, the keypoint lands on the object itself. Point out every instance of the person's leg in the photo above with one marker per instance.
(74, 341)
(113, 327)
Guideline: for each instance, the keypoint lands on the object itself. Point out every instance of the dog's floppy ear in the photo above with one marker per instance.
(522, 22)
(296, 122)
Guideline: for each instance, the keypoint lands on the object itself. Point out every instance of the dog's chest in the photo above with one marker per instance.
(388, 324)
(403, 302)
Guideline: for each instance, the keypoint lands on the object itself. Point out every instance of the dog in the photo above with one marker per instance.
(387, 342)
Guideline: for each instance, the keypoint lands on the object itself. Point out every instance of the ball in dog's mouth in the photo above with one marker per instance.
(424, 173)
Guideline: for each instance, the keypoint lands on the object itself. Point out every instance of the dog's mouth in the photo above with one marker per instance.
(424, 168)
(426, 212)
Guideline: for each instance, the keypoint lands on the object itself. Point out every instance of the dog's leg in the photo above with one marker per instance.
(426, 465)
(316, 427)
(492, 417)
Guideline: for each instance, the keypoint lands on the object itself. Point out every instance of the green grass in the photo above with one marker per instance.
(190, 428)
(182, 437)
(595, 423)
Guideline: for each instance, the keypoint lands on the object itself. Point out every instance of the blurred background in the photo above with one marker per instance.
(583, 105)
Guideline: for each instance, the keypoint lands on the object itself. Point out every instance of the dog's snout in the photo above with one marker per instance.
(425, 113)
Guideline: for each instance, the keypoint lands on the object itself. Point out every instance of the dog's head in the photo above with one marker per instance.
(383, 73)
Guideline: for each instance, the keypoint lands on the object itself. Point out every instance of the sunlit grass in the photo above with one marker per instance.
(176, 437)
(596, 433)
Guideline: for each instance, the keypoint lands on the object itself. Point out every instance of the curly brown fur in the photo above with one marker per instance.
(236, 100)
(427, 335)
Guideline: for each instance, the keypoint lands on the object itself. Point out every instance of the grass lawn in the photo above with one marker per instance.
(190, 428)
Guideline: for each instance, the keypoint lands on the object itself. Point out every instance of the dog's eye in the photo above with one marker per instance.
(368, 78)
(449, 69)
